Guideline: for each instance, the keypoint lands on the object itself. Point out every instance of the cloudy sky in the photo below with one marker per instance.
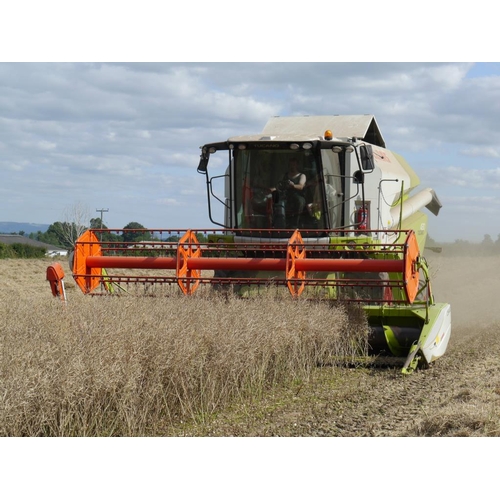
(125, 137)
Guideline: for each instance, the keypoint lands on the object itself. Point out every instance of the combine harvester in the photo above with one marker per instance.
(316, 204)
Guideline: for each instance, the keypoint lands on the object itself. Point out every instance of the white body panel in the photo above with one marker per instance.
(439, 336)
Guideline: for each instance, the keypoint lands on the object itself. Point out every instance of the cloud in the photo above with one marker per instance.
(488, 152)
(127, 134)
(473, 179)
(172, 202)
(46, 145)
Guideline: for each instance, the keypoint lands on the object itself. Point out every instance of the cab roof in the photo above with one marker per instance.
(363, 127)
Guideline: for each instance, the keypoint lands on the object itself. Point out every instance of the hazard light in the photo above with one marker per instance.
(328, 135)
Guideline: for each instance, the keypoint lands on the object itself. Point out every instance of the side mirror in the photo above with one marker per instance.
(366, 152)
(202, 167)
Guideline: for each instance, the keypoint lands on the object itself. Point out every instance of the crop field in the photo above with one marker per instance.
(215, 365)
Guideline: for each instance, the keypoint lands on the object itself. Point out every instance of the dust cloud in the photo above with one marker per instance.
(471, 285)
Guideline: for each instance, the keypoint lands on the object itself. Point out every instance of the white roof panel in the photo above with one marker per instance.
(359, 126)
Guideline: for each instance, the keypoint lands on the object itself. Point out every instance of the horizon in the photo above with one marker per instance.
(494, 238)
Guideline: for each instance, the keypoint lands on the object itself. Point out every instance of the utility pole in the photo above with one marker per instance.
(102, 210)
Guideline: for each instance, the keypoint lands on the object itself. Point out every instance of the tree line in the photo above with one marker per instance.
(64, 234)
(487, 247)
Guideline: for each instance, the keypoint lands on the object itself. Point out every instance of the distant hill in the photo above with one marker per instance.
(27, 227)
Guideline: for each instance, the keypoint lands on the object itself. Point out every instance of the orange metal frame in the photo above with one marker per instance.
(87, 277)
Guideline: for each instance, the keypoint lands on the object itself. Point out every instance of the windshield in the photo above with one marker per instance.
(280, 188)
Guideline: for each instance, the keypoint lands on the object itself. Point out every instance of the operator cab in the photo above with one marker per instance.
(278, 189)
(258, 193)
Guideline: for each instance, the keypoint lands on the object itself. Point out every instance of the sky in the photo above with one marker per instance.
(125, 136)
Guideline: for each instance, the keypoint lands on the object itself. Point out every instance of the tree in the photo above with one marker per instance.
(75, 223)
(97, 223)
(36, 236)
(131, 232)
(55, 235)
(487, 240)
